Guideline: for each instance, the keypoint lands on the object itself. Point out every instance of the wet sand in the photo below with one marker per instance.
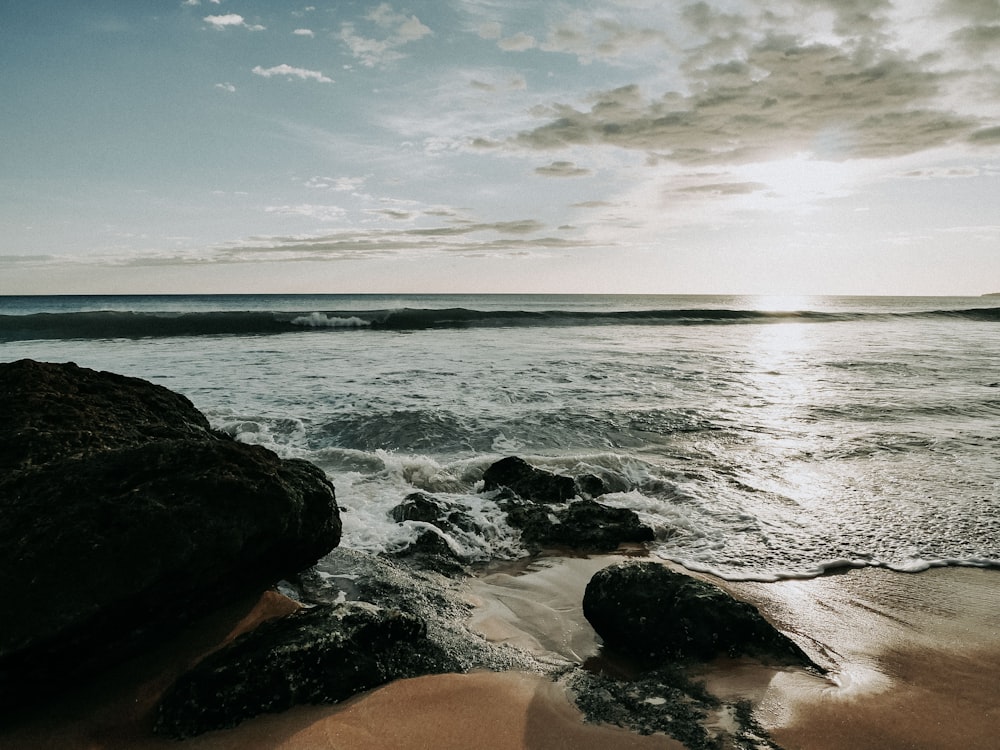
(914, 660)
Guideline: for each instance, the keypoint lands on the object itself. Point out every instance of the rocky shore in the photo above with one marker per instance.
(125, 521)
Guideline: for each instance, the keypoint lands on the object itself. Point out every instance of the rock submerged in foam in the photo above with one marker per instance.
(554, 510)
(123, 515)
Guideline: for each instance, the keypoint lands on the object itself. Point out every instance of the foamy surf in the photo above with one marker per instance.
(757, 444)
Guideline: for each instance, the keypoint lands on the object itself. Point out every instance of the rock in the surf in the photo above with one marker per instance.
(123, 514)
(419, 506)
(648, 611)
(547, 509)
(440, 521)
(529, 482)
(582, 525)
(322, 655)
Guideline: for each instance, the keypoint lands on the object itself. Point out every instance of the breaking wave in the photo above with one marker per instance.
(133, 325)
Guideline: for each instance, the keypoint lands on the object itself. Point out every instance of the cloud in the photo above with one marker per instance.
(986, 136)
(980, 39)
(226, 87)
(562, 169)
(411, 29)
(466, 238)
(231, 20)
(724, 188)
(974, 10)
(309, 210)
(304, 32)
(505, 238)
(338, 184)
(589, 37)
(784, 94)
(490, 30)
(394, 213)
(943, 173)
(518, 43)
(498, 81)
(290, 72)
(855, 18)
(397, 29)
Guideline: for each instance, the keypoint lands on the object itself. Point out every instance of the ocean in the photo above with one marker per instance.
(761, 438)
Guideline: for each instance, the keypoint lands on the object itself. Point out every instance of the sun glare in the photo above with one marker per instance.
(800, 180)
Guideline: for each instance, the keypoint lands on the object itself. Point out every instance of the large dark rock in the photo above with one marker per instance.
(122, 514)
(63, 411)
(582, 525)
(528, 482)
(434, 548)
(541, 504)
(419, 506)
(323, 655)
(648, 611)
(439, 601)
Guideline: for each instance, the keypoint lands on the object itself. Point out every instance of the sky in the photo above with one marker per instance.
(638, 146)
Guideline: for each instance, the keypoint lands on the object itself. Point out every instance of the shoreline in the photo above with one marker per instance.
(914, 656)
(912, 659)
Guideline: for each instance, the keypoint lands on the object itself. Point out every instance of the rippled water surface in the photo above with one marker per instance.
(809, 433)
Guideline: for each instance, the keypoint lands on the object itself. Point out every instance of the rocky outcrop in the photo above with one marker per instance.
(419, 506)
(582, 525)
(322, 655)
(547, 508)
(372, 620)
(123, 514)
(440, 522)
(528, 482)
(648, 611)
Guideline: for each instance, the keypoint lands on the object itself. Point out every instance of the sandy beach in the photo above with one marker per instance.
(913, 660)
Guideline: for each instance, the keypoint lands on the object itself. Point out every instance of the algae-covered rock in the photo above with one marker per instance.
(322, 655)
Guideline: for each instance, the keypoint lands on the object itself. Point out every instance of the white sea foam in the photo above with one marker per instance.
(871, 447)
(321, 320)
(366, 501)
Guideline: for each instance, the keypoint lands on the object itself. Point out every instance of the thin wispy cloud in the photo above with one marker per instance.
(494, 239)
(661, 137)
(490, 30)
(322, 213)
(230, 21)
(519, 42)
(288, 71)
(393, 31)
(562, 169)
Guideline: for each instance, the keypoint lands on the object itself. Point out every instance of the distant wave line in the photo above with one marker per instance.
(116, 324)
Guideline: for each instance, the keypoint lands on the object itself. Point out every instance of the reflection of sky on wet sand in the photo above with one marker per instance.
(909, 656)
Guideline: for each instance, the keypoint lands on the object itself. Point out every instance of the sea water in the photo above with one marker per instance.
(759, 437)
